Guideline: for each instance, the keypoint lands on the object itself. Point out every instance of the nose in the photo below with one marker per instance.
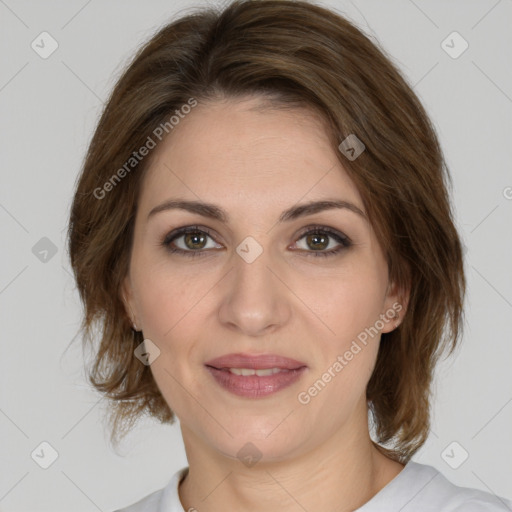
(255, 300)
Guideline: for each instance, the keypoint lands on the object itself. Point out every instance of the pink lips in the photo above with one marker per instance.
(255, 386)
(255, 362)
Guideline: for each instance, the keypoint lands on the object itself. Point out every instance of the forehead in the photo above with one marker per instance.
(235, 150)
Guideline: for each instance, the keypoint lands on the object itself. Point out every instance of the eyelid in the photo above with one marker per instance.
(303, 231)
(324, 229)
(183, 230)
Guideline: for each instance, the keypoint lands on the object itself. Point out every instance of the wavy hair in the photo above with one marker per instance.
(291, 53)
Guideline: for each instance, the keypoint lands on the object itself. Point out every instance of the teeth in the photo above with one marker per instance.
(260, 373)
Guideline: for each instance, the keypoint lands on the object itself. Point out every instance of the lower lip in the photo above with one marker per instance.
(253, 386)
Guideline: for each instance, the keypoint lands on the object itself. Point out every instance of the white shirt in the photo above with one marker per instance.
(417, 488)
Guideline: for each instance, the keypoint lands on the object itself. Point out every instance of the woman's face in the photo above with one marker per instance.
(252, 284)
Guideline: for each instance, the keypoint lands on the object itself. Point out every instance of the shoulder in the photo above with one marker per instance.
(436, 493)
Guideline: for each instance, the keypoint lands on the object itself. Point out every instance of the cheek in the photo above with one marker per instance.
(167, 299)
(349, 306)
(347, 302)
(170, 308)
(338, 384)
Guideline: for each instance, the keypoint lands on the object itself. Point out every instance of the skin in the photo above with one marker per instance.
(255, 164)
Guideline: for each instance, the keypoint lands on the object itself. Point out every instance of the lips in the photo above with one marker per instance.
(255, 376)
(259, 362)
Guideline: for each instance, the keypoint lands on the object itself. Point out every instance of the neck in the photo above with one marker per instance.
(341, 474)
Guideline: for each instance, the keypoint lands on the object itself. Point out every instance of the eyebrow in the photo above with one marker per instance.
(215, 212)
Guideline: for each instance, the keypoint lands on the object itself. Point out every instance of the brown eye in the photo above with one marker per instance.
(319, 238)
(189, 241)
(193, 240)
(317, 241)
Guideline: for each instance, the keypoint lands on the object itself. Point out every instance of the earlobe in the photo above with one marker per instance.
(397, 322)
(391, 318)
(395, 303)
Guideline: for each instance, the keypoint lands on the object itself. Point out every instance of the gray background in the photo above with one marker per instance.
(48, 109)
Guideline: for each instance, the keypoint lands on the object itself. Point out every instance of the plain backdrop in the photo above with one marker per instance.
(48, 110)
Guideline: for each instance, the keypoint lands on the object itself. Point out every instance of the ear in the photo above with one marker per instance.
(129, 303)
(394, 307)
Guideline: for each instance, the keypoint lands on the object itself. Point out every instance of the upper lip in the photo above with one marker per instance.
(254, 362)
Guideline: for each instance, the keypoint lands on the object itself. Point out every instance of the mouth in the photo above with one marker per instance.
(255, 376)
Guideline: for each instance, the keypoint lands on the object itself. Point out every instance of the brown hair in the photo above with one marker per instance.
(293, 53)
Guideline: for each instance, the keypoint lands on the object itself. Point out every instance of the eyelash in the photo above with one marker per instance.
(314, 230)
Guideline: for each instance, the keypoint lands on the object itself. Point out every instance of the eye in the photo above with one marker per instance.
(189, 241)
(318, 237)
(193, 241)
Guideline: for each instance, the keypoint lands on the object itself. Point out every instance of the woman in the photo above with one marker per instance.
(262, 230)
